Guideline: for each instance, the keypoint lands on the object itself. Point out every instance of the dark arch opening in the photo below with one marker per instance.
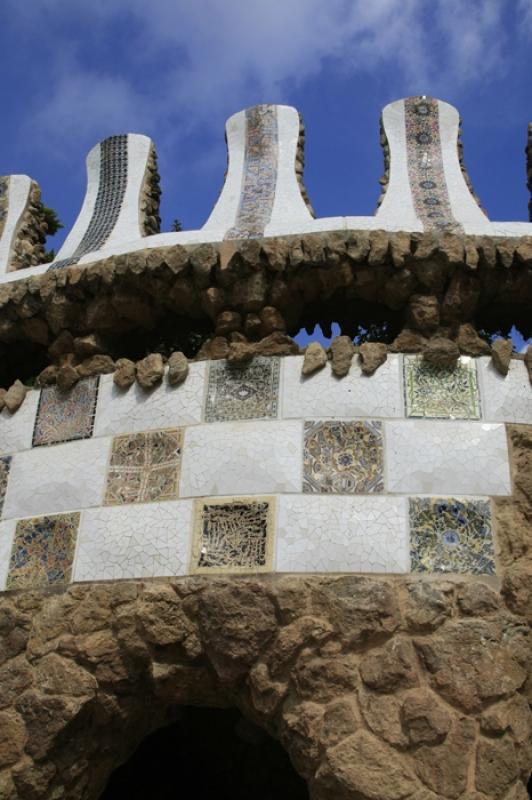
(211, 753)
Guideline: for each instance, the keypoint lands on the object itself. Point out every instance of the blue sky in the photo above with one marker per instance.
(75, 71)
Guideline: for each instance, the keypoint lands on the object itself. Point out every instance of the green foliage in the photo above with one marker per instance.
(53, 222)
(49, 255)
(177, 226)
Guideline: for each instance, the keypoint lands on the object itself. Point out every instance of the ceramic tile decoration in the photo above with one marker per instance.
(5, 462)
(111, 190)
(342, 534)
(142, 541)
(47, 480)
(355, 395)
(343, 457)
(7, 532)
(506, 399)
(242, 457)
(65, 416)
(445, 457)
(449, 534)
(144, 467)
(233, 535)
(43, 551)
(242, 392)
(136, 410)
(447, 392)
(425, 165)
(16, 430)
(260, 173)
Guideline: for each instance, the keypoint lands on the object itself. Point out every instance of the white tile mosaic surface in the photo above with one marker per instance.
(57, 478)
(7, 532)
(322, 395)
(342, 534)
(144, 541)
(16, 430)
(506, 399)
(446, 457)
(138, 410)
(242, 458)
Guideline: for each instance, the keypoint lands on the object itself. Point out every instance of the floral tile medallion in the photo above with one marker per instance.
(144, 467)
(451, 535)
(233, 535)
(445, 392)
(242, 392)
(5, 463)
(43, 551)
(343, 457)
(66, 416)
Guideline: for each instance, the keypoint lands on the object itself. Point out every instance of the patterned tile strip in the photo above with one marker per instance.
(425, 165)
(65, 416)
(451, 535)
(111, 190)
(4, 201)
(43, 551)
(5, 463)
(260, 173)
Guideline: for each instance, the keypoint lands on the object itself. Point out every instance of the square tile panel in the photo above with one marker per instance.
(233, 535)
(242, 392)
(5, 462)
(43, 551)
(343, 457)
(440, 391)
(65, 416)
(144, 467)
(451, 535)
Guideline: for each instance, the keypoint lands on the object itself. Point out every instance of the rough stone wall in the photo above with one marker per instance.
(379, 688)
(28, 246)
(150, 197)
(385, 178)
(300, 166)
(528, 152)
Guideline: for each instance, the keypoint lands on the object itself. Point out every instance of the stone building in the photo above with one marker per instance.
(195, 513)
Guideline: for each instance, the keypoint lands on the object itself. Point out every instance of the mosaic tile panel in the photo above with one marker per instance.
(5, 462)
(451, 535)
(242, 392)
(343, 457)
(7, 533)
(111, 191)
(260, 173)
(144, 467)
(425, 165)
(65, 416)
(233, 535)
(446, 392)
(43, 551)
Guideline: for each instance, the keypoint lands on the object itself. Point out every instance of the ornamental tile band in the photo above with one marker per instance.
(111, 191)
(425, 165)
(260, 173)
(65, 416)
(451, 535)
(144, 467)
(43, 551)
(343, 457)
(233, 535)
(242, 392)
(5, 462)
(444, 392)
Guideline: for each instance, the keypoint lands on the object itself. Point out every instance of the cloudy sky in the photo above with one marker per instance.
(76, 71)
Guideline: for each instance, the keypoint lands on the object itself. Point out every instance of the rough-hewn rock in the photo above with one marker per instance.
(528, 362)
(501, 354)
(372, 356)
(441, 352)
(96, 365)
(424, 312)
(342, 351)
(90, 345)
(177, 368)
(14, 397)
(66, 377)
(150, 370)
(470, 343)
(424, 719)
(315, 358)
(125, 373)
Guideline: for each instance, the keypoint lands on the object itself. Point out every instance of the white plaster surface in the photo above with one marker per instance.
(505, 399)
(138, 410)
(136, 541)
(7, 533)
(446, 457)
(18, 197)
(224, 213)
(463, 205)
(128, 222)
(342, 534)
(58, 478)
(356, 395)
(242, 458)
(16, 430)
(84, 217)
(397, 206)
